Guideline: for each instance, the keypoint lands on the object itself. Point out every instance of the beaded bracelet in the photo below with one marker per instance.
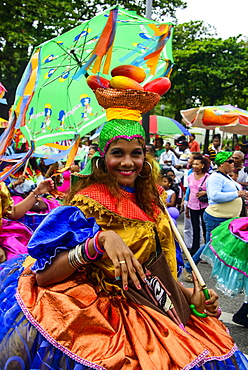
(97, 247)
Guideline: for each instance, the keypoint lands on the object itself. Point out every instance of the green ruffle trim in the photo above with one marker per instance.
(230, 249)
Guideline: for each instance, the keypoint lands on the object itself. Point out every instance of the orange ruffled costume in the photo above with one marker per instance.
(88, 317)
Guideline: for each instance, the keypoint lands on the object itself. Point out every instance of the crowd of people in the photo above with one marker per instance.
(93, 284)
(214, 191)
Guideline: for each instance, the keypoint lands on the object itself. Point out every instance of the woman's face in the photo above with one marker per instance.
(227, 166)
(91, 152)
(171, 174)
(165, 183)
(197, 165)
(124, 159)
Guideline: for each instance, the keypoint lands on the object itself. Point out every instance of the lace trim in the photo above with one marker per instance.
(201, 359)
(80, 199)
(51, 339)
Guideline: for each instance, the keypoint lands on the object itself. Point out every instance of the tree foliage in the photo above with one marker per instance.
(28, 23)
(207, 71)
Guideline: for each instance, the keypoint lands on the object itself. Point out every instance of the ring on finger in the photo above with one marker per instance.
(121, 262)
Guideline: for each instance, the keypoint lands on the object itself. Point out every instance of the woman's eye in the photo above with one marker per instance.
(116, 152)
(137, 152)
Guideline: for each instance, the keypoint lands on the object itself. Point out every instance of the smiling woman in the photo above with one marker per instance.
(125, 160)
(107, 277)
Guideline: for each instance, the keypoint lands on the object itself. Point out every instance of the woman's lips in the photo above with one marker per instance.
(126, 173)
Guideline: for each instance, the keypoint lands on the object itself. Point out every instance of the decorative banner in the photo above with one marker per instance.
(53, 101)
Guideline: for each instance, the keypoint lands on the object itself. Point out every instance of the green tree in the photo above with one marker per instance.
(27, 23)
(207, 71)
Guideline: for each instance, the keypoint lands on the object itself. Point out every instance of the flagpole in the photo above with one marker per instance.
(146, 116)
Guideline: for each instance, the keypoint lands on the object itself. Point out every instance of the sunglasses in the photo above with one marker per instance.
(230, 161)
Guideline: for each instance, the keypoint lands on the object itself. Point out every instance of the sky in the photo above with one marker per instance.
(229, 17)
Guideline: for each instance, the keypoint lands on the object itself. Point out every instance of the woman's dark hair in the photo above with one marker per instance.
(170, 179)
(147, 194)
(204, 160)
(193, 135)
(166, 170)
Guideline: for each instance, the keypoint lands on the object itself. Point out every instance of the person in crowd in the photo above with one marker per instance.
(89, 300)
(19, 191)
(224, 199)
(182, 154)
(193, 144)
(32, 177)
(227, 253)
(151, 150)
(214, 147)
(244, 148)
(167, 158)
(188, 230)
(238, 158)
(175, 186)
(159, 145)
(196, 204)
(167, 183)
(66, 175)
(234, 175)
(93, 149)
(14, 236)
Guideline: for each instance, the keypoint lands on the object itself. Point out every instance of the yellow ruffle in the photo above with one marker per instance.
(123, 113)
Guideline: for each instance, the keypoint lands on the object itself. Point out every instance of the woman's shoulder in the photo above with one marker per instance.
(94, 189)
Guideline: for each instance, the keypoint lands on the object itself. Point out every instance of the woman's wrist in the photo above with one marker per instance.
(35, 193)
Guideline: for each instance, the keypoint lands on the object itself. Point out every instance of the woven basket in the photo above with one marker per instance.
(130, 99)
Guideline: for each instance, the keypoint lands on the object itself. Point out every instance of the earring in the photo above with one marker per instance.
(146, 177)
(97, 163)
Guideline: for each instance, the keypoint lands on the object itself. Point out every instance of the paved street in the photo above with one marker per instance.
(228, 305)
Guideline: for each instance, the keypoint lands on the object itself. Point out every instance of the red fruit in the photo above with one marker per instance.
(122, 82)
(97, 82)
(136, 73)
(160, 85)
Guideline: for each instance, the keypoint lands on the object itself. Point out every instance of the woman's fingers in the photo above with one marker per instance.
(126, 265)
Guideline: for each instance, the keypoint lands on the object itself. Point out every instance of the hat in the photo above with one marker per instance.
(182, 142)
(119, 129)
(221, 157)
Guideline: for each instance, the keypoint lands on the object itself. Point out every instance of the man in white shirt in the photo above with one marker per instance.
(238, 158)
(167, 158)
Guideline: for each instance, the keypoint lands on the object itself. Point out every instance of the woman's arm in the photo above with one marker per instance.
(172, 202)
(116, 250)
(215, 186)
(21, 208)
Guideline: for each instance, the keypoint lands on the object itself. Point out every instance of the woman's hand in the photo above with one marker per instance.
(44, 187)
(208, 306)
(200, 193)
(243, 194)
(187, 213)
(19, 181)
(126, 265)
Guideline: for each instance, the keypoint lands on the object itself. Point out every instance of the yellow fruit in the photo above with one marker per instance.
(122, 82)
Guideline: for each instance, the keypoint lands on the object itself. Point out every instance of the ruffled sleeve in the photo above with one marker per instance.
(62, 229)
